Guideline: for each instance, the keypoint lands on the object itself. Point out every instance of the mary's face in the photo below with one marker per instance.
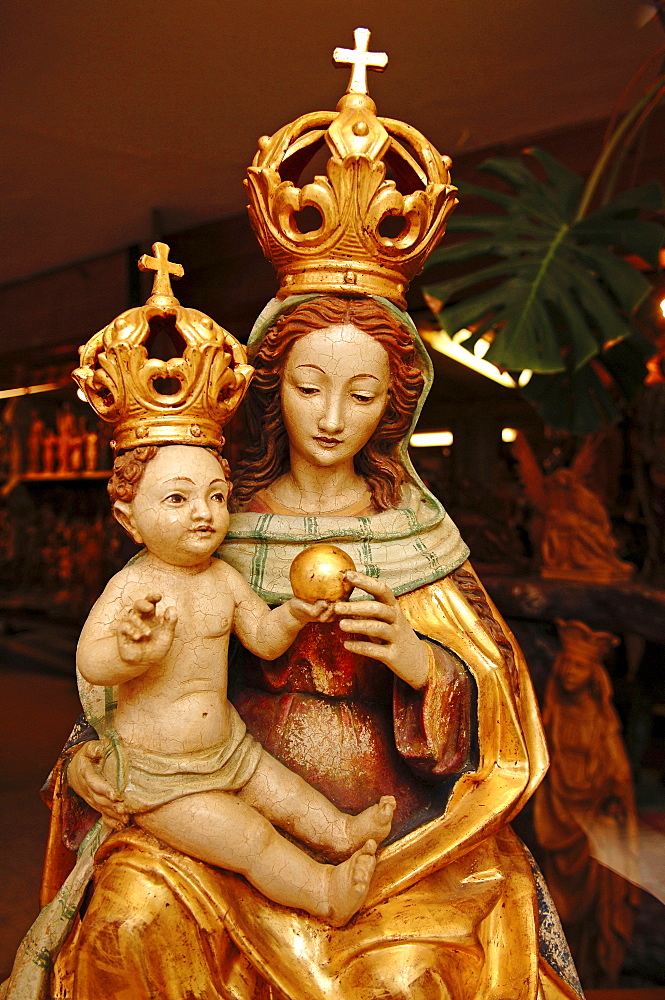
(334, 390)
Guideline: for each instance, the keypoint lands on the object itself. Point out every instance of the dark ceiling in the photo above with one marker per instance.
(112, 110)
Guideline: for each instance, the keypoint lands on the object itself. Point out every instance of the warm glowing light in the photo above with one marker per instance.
(432, 439)
(662, 306)
(81, 395)
(508, 434)
(452, 348)
(28, 390)
(481, 346)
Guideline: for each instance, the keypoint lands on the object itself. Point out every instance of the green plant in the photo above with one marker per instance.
(550, 280)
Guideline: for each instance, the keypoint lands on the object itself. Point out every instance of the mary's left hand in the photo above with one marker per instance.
(390, 637)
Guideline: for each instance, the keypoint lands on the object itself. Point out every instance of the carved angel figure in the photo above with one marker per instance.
(571, 528)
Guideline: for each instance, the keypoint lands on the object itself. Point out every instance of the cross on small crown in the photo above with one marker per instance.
(360, 60)
(163, 268)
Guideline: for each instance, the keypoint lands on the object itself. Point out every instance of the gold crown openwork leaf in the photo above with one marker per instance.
(350, 250)
(184, 400)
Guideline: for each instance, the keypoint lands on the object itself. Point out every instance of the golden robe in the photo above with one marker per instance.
(454, 910)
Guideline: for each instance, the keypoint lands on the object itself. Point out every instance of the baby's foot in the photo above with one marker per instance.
(372, 823)
(349, 884)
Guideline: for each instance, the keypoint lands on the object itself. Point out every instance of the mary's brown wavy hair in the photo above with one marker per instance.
(267, 454)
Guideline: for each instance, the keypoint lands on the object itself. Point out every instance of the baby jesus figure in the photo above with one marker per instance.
(179, 754)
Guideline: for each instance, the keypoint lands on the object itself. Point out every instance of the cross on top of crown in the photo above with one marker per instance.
(360, 60)
(163, 268)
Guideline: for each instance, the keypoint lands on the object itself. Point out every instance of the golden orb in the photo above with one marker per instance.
(318, 573)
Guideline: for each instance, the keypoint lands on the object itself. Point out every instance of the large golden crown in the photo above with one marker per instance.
(350, 251)
(182, 400)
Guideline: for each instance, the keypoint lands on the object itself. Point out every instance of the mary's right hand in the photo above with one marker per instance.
(86, 779)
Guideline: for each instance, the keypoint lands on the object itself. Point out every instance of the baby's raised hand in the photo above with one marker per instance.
(320, 611)
(143, 635)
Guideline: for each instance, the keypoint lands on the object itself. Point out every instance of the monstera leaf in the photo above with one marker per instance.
(551, 284)
(585, 400)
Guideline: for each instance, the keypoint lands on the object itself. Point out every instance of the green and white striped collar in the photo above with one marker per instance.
(408, 547)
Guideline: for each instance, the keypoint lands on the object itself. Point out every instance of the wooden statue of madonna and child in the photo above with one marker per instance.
(335, 824)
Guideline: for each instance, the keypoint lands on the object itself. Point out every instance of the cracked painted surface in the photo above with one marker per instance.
(424, 697)
(175, 751)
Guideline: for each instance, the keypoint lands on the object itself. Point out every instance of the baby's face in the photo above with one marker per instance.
(179, 512)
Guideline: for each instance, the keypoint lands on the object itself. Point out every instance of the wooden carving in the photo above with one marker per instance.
(571, 528)
(585, 806)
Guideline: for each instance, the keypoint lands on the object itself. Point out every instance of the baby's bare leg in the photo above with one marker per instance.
(217, 827)
(291, 803)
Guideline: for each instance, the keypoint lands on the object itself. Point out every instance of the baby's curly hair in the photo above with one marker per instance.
(128, 468)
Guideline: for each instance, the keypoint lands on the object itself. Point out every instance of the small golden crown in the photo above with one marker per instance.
(350, 251)
(183, 400)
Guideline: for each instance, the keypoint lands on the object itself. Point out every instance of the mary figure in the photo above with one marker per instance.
(425, 697)
(417, 690)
